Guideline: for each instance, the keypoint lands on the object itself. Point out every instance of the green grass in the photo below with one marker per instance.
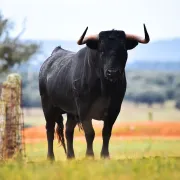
(154, 168)
(130, 159)
(119, 149)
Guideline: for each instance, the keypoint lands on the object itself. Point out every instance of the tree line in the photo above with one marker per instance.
(142, 87)
(153, 87)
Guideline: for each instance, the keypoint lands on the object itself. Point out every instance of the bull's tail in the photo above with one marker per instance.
(60, 133)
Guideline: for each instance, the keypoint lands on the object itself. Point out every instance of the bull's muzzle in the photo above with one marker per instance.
(113, 74)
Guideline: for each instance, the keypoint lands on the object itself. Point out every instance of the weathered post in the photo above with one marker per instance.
(2, 127)
(11, 96)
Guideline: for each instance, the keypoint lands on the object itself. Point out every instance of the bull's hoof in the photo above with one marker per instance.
(51, 158)
(105, 155)
(90, 154)
(70, 156)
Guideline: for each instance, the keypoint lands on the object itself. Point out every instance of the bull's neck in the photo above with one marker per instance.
(95, 73)
(92, 72)
(91, 62)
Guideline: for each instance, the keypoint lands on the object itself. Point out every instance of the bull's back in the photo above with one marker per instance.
(55, 79)
(52, 66)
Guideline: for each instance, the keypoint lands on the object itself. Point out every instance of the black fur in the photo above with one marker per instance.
(86, 85)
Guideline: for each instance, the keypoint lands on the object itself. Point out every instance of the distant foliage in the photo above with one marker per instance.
(152, 87)
(142, 87)
(13, 51)
(178, 103)
(177, 97)
(150, 97)
(31, 97)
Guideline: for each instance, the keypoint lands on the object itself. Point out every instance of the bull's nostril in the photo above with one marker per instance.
(112, 73)
(108, 71)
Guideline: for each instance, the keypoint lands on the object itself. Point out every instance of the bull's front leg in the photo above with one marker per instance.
(83, 111)
(106, 132)
(89, 134)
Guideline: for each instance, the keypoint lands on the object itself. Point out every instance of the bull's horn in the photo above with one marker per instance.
(80, 41)
(140, 39)
(84, 39)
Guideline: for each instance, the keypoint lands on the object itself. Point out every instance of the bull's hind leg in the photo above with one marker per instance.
(89, 134)
(51, 115)
(70, 125)
(50, 125)
(50, 138)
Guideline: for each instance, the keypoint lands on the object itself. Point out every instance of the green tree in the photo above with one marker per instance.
(13, 51)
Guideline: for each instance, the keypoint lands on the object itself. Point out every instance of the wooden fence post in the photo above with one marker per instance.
(11, 95)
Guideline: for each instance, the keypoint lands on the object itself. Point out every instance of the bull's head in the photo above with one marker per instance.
(112, 47)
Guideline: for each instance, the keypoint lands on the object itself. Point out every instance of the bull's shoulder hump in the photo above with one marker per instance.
(57, 56)
(60, 50)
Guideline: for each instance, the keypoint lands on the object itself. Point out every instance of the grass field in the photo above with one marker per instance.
(130, 159)
(129, 113)
(132, 120)
(119, 149)
(149, 169)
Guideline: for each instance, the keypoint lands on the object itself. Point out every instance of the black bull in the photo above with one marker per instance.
(86, 85)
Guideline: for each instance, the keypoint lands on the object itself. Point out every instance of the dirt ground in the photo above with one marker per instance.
(120, 130)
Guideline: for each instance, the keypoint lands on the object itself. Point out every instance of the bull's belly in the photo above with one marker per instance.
(99, 109)
(67, 104)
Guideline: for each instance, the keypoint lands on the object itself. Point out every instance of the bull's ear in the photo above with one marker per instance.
(130, 44)
(92, 44)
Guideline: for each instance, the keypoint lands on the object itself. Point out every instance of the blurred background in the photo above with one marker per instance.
(31, 29)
